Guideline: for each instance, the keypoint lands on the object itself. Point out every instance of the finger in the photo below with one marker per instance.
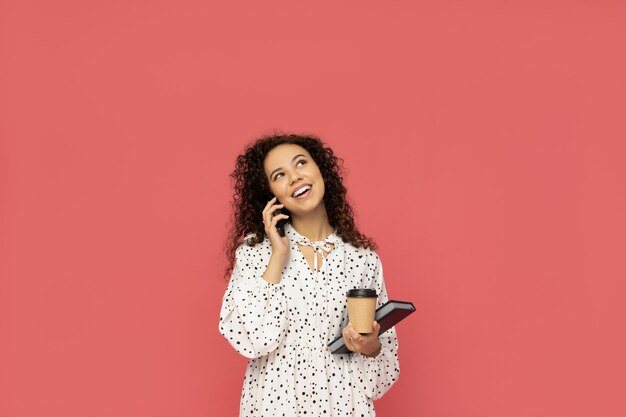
(275, 209)
(346, 337)
(264, 212)
(345, 334)
(349, 345)
(269, 210)
(346, 341)
(269, 215)
(275, 219)
(354, 335)
(376, 329)
(271, 228)
(269, 203)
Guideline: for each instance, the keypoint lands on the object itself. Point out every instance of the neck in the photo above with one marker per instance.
(313, 225)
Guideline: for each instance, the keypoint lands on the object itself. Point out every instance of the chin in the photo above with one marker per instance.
(311, 206)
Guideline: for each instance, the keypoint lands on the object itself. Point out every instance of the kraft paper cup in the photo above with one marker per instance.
(362, 309)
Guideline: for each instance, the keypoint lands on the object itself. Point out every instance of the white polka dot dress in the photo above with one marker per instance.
(284, 329)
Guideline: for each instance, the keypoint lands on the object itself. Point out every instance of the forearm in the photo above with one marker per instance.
(253, 316)
(274, 268)
(253, 319)
(376, 374)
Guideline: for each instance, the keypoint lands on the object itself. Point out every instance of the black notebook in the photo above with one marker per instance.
(387, 315)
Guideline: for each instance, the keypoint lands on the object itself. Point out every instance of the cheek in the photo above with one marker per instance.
(319, 177)
(280, 190)
(316, 173)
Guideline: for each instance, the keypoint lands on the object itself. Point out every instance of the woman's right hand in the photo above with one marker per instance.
(280, 244)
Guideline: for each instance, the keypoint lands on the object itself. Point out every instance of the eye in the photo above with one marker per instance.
(277, 176)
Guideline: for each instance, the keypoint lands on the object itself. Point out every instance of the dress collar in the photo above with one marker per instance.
(295, 236)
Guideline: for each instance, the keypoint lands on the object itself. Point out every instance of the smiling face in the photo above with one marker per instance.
(288, 168)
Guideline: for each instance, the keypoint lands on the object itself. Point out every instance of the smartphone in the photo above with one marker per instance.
(280, 224)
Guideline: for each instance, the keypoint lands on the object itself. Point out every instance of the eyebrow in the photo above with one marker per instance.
(292, 159)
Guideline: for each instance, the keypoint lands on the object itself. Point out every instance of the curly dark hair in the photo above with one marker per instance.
(252, 192)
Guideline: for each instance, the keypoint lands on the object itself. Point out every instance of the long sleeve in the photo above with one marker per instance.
(376, 375)
(253, 315)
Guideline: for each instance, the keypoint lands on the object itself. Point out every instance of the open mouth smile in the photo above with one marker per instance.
(302, 192)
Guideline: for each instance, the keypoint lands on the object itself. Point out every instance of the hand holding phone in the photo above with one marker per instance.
(275, 231)
(280, 224)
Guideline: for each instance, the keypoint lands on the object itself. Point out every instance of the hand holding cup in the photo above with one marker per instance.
(361, 333)
(366, 344)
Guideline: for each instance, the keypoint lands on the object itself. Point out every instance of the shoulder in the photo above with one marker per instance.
(367, 254)
(247, 250)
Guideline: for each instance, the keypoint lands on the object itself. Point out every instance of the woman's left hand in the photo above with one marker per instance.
(367, 344)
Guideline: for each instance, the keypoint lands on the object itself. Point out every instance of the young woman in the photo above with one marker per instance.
(286, 298)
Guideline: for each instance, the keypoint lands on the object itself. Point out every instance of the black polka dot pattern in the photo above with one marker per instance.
(284, 330)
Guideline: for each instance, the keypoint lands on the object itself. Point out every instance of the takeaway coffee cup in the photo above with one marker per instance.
(362, 309)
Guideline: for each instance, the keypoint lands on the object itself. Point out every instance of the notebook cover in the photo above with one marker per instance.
(386, 322)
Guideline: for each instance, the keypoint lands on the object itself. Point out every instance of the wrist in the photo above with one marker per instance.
(279, 258)
(273, 272)
(375, 353)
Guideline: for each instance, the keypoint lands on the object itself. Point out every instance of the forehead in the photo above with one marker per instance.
(282, 155)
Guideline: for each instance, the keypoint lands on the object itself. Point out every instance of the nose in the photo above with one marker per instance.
(295, 177)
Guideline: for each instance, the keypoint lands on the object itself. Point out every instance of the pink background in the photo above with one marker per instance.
(485, 144)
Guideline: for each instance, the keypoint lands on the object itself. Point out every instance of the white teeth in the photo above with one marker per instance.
(302, 190)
